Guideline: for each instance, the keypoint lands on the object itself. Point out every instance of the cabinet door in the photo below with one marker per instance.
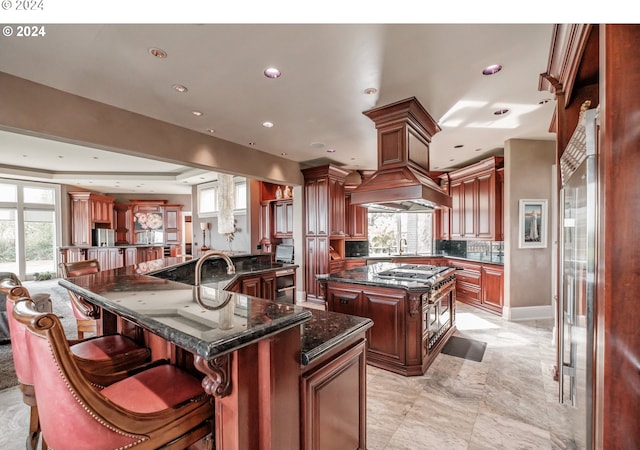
(386, 337)
(337, 215)
(311, 198)
(250, 286)
(493, 287)
(80, 222)
(322, 207)
(353, 263)
(283, 219)
(356, 220)
(336, 391)
(499, 205)
(485, 206)
(123, 223)
(456, 210)
(345, 301)
(130, 256)
(268, 286)
(443, 223)
(173, 224)
(469, 208)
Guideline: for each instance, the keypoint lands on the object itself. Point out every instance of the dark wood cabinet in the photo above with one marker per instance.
(123, 221)
(493, 287)
(283, 219)
(477, 201)
(333, 397)
(89, 210)
(480, 284)
(397, 341)
(268, 286)
(250, 286)
(353, 263)
(457, 211)
(386, 338)
(357, 222)
(324, 224)
(345, 301)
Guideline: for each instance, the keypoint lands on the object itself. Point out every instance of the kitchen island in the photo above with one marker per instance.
(269, 365)
(412, 308)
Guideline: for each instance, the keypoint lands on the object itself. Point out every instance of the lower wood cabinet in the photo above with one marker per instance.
(395, 342)
(333, 397)
(261, 286)
(108, 257)
(353, 263)
(480, 284)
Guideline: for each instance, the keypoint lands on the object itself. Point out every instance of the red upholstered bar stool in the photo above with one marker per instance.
(161, 407)
(103, 359)
(87, 315)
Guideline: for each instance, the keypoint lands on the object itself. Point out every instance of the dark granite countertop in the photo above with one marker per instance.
(367, 276)
(170, 309)
(491, 258)
(328, 329)
(219, 323)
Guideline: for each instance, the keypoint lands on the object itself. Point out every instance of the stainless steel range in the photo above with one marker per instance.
(438, 300)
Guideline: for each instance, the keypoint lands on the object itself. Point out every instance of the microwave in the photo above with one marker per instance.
(103, 237)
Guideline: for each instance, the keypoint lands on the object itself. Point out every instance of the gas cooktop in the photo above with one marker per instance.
(413, 272)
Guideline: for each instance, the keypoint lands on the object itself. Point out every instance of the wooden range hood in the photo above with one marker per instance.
(402, 181)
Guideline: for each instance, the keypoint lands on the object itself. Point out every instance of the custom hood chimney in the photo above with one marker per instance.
(402, 181)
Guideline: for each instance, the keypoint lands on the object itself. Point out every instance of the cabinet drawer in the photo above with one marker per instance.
(466, 290)
(470, 277)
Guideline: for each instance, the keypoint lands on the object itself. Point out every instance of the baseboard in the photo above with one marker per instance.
(528, 313)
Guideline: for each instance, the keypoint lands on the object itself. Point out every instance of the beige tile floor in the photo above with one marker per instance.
(507, 401)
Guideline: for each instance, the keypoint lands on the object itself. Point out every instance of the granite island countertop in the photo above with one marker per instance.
(368, 276)
(491, 258)
(170, 309)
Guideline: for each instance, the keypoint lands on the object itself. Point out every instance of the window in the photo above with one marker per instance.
(208, 205)
(29, 236)
(387, 231)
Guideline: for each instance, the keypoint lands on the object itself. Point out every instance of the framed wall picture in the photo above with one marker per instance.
(533, 223)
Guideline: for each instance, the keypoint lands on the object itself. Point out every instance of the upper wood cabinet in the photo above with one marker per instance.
(123, 222)
(283, 218)
(324, 200)
(476, 195)
(87, 210)
(356, 217)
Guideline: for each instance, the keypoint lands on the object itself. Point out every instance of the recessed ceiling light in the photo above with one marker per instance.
(452, 160)
(252, 143)
(331, 150)
(492, 69)
(25, 156)
(180, 88)
(478, 149)
(542, 102)
(60, 156)
(283, 154)
(267, 124)
(316, 145)
(458, 146)
(370, 91)
(196, 113)
(157, 52)
(501, 112)
(272, 72)
(353, 159)
(211, 131)
(95, 157)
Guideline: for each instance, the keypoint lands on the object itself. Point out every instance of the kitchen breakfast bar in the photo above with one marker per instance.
(280, 375)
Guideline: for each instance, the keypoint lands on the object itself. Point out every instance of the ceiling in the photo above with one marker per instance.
(315, 106)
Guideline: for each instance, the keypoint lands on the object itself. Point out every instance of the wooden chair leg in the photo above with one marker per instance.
(34, 429)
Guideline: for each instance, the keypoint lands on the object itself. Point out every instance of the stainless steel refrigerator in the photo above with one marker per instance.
(577, 269)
